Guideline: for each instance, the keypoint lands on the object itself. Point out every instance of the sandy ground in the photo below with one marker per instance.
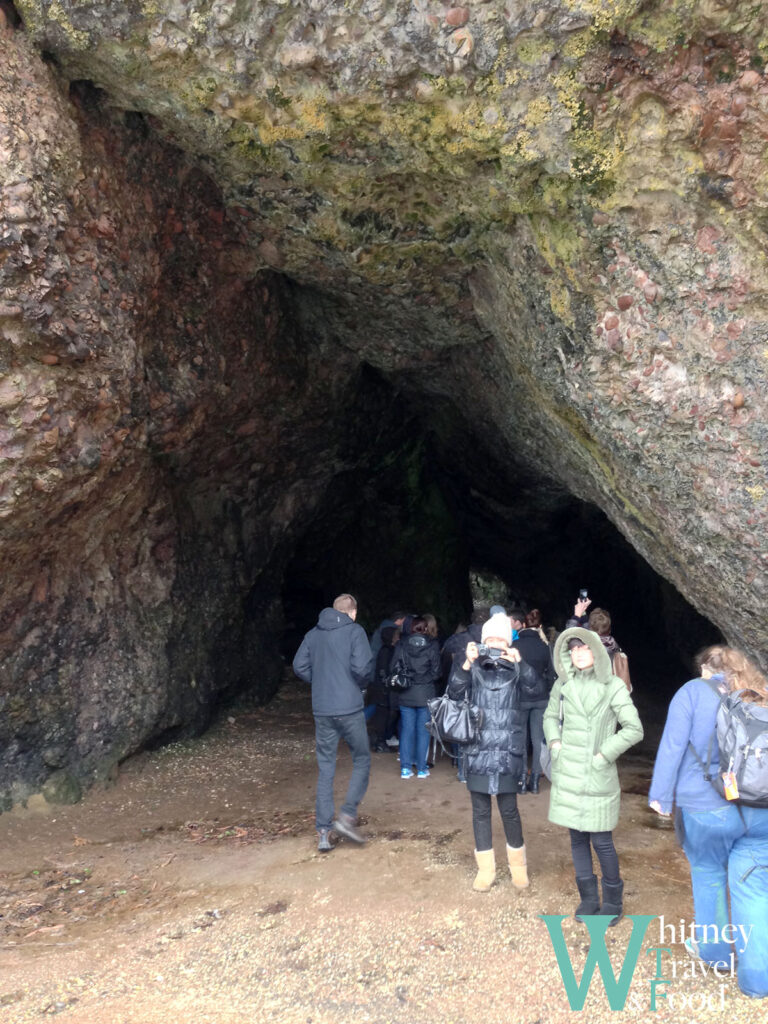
(191, 890)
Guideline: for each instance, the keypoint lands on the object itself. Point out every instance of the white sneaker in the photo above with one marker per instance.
(393, 741)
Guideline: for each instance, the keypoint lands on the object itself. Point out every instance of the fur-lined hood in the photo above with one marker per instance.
(564, 666)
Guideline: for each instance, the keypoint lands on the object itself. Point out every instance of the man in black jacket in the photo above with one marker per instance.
(335, 658)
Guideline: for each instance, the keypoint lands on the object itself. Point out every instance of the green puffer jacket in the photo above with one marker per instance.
(585, 788)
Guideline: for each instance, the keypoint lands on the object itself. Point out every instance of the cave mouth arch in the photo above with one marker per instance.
(433, 502)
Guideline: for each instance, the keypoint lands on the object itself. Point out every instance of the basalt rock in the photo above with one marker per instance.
(247, 250)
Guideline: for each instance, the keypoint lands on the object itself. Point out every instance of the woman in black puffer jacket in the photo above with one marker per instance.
(419, 656)
(494, 761)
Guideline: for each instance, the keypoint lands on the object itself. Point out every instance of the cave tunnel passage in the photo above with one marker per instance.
(405, 530)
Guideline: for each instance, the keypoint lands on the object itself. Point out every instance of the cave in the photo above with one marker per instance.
(408, 525)
(274, 327)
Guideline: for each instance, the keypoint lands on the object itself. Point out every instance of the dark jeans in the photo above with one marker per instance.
(481, 819)
(534, 725)
(605, 850)
(329, 729)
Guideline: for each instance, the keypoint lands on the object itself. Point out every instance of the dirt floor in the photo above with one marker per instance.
(191, 891)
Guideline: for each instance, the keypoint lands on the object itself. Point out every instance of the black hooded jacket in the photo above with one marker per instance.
(537, 673)
(335, 657)
(420, 655)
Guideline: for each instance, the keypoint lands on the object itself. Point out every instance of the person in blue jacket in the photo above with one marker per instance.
(335, 658)
(726, 844)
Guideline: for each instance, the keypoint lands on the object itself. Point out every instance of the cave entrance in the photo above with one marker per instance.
(428, 502)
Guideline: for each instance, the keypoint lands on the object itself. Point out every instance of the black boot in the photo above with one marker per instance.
(590, 901)
(613, 902)
(522, 783)
(533, 785)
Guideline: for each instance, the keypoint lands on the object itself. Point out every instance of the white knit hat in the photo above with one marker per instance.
(498, 625)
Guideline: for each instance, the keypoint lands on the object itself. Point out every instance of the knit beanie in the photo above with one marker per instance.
(498, 625)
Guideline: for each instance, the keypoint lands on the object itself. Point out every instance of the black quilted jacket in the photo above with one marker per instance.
(495, 762)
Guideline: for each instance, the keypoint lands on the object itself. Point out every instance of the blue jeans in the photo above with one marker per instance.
(329, 729)
(414, 738)
(725, 854)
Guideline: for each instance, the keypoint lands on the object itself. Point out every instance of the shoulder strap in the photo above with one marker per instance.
(715, 687)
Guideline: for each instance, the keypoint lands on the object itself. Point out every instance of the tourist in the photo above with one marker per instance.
(726, 844)
(585, 707)
(598, 620)
(381, 695)
(536, 679)
(335, 658)
(418, 657)
(494, 760)
(396, 620)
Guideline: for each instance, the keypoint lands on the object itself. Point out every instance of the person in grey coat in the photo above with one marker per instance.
(335, 658)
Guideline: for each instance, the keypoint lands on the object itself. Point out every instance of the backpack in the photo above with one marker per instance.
(741, 728)
(621, 669)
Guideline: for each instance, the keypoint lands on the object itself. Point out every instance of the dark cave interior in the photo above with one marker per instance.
(431, 502)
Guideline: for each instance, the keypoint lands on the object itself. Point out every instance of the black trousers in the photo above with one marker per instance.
(481, 819)
(382, 721)
(605, 850)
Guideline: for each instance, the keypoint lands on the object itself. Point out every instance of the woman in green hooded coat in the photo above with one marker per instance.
(586, 706)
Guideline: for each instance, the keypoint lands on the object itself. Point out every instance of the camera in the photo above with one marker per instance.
(583, 595)
(490, 653)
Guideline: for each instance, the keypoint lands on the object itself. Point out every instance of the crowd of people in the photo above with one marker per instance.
(566, 699)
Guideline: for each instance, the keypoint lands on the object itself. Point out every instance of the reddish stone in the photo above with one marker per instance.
(600, 219)
(650, 292)
(613, 340)
(728, 129)
(750, 79)
(738, 104)
(738, 400)
(625, 301)
(457, 16)
(705, 239)
(250, 427)
(611, 322)
(49, 359)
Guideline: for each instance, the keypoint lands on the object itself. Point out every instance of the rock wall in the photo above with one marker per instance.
(543, 225)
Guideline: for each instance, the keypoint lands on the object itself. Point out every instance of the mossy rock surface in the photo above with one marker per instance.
(62, 788)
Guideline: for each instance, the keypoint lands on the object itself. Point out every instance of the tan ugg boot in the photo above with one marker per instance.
(486, 870)
(517, 866)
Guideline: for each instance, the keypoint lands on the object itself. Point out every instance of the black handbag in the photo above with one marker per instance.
(454, 721)
(399, 680)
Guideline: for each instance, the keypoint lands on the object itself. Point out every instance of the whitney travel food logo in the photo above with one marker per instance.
(617, 988)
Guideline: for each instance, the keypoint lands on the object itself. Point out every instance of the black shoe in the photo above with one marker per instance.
(380, 748)
(590, 901)
(613, 901)
(324, 840)
(522, 783)
(533, 785)
(345, 825)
